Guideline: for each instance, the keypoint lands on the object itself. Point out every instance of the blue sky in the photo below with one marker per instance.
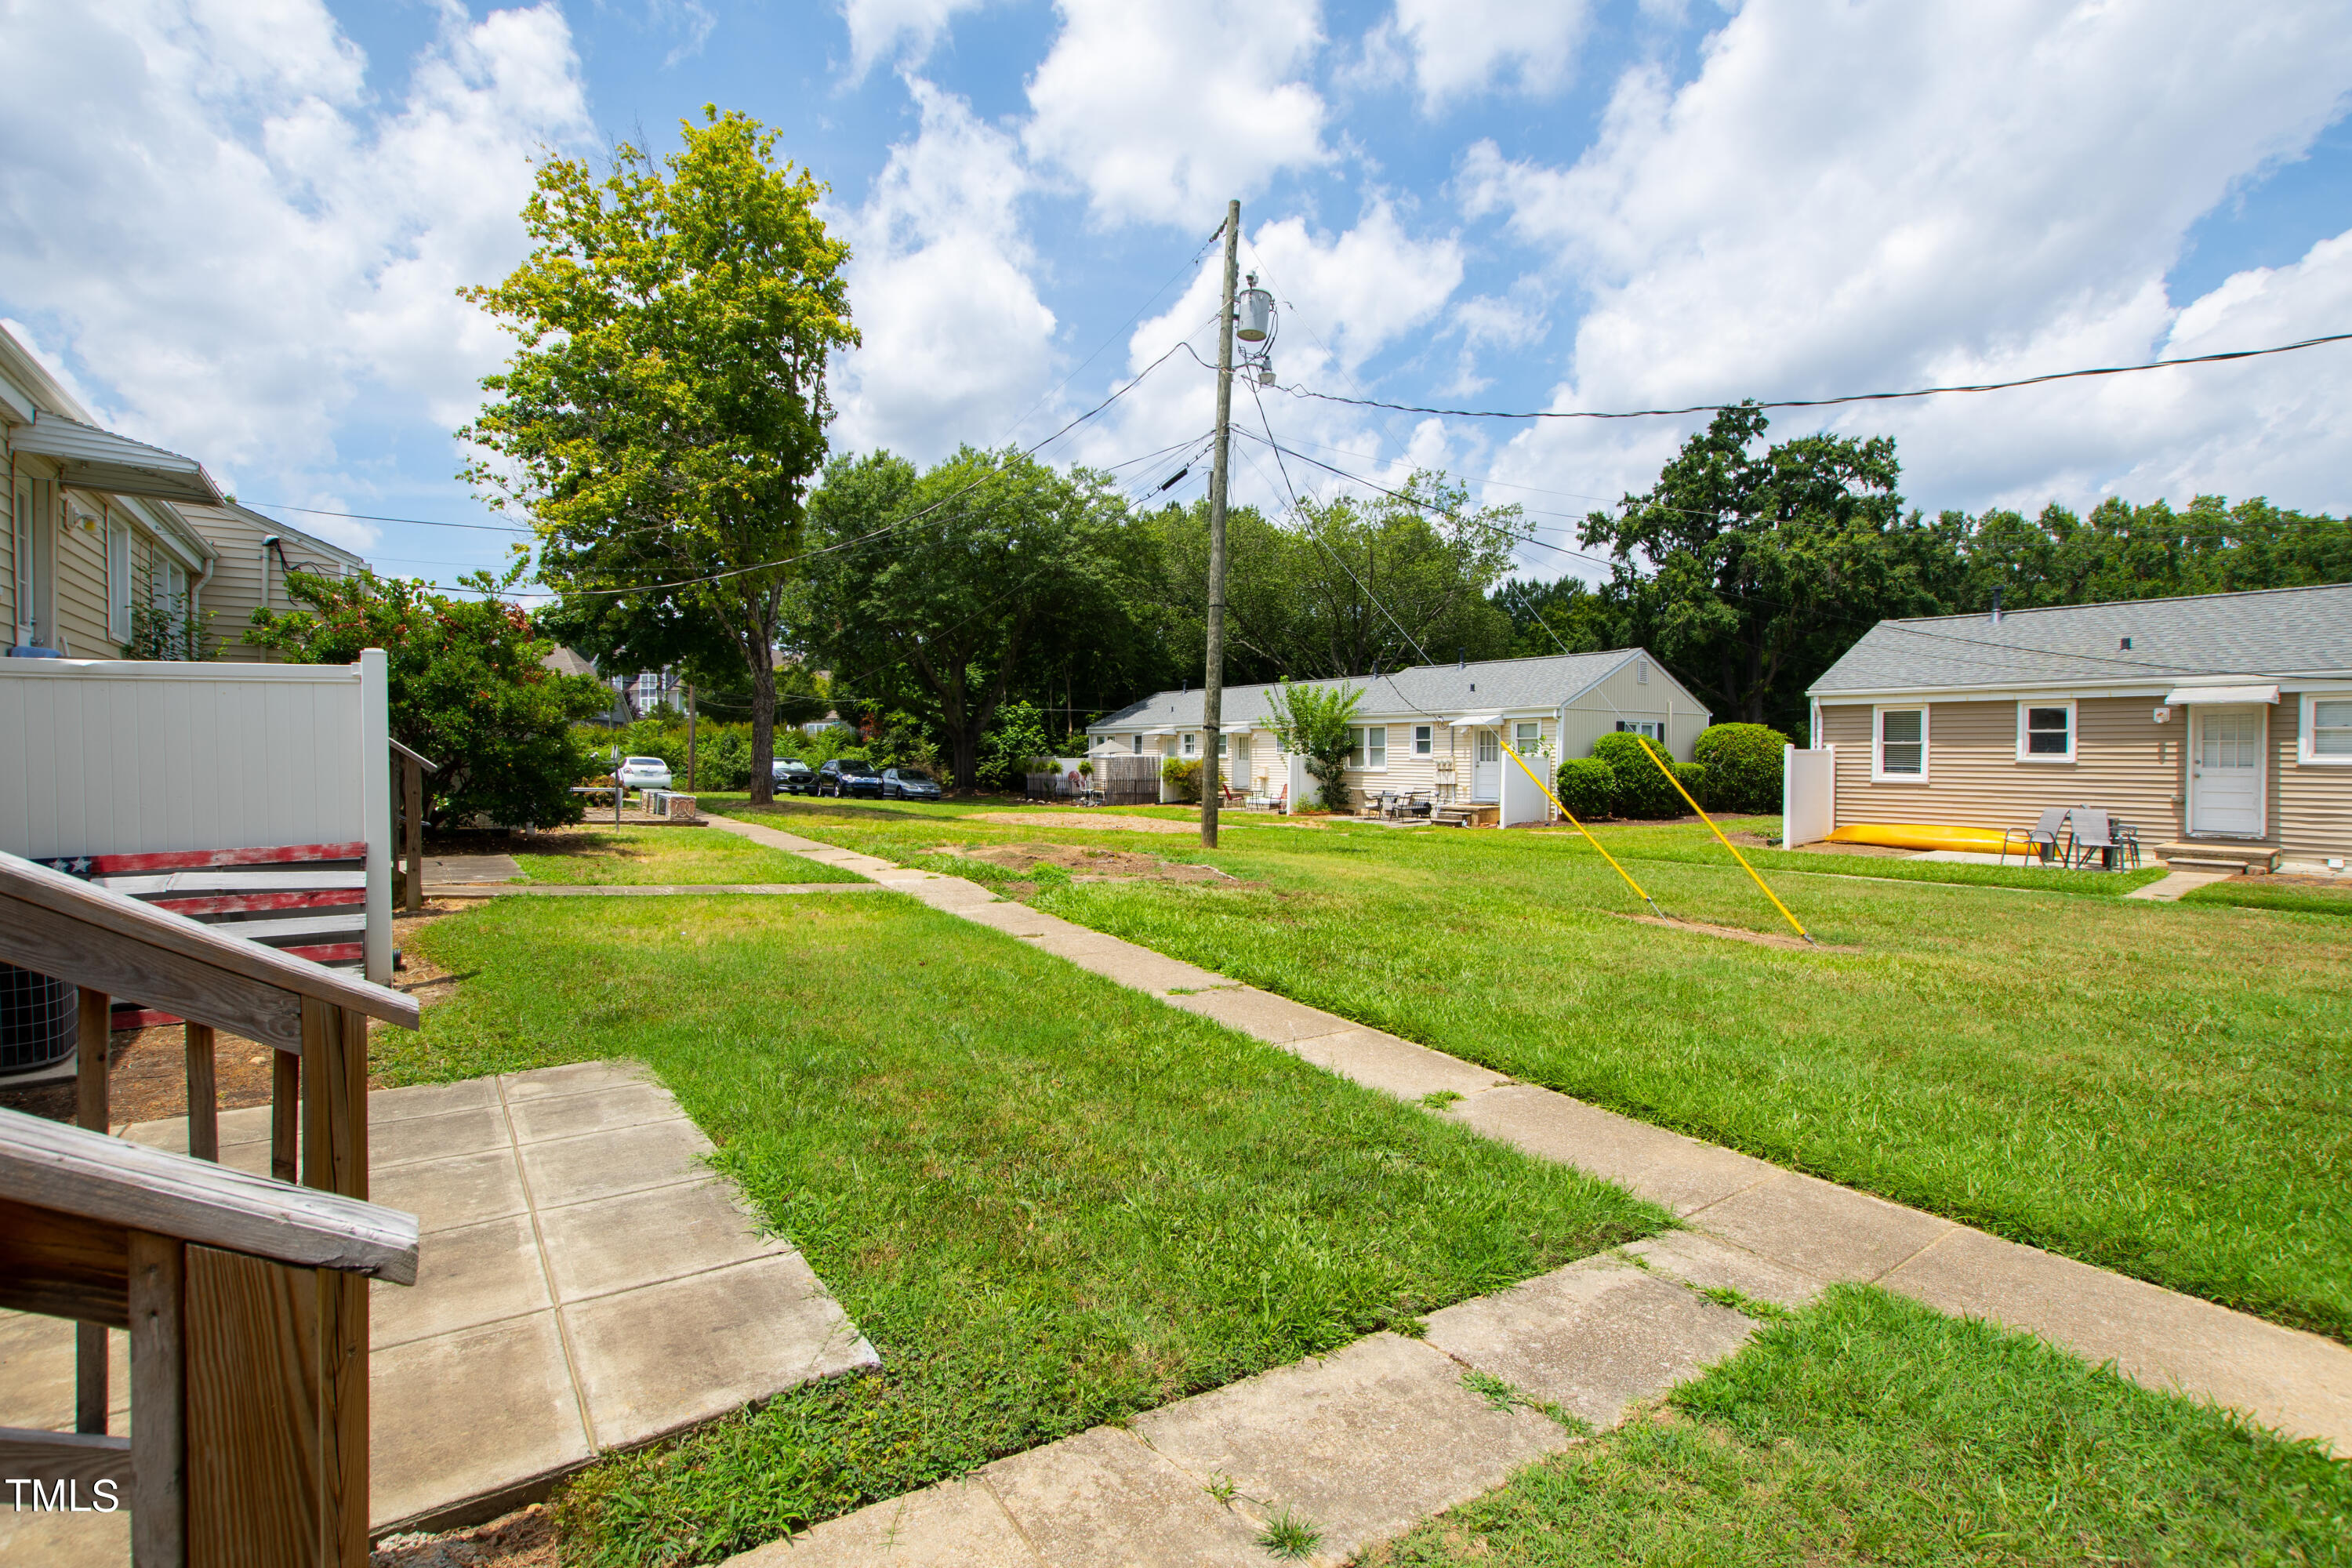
(236, 226)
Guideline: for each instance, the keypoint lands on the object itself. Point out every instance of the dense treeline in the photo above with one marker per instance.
(947, 607)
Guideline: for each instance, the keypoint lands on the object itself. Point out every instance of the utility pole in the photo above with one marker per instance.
(1212, 686)
(689, 737)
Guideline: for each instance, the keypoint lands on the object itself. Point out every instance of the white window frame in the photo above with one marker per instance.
(1361, 750)
(118, 580)
(2306, 735)
(1526, 745)
(1878, 773)
(1135, 746)
(1425, 740)
(1641, 672)
(1649, 729)
(2074, 730)
(1189, 744)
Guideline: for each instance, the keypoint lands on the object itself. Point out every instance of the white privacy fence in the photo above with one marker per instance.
(1808, 795)
(107, 758)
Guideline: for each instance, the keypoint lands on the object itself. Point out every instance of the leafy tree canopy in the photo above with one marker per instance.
(1314, 721)
(664, 405)
(468, 691)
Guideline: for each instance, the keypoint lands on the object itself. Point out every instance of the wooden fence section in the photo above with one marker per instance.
(1128, 780)
(246, 1299)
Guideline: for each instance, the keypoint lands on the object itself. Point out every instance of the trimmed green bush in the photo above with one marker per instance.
(1743, 765)
(1697, 779)
(1641, 790)
(1588, 788)
(1184, 773)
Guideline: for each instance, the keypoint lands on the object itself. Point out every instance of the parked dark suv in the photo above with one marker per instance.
(794, 776)
(847, 775)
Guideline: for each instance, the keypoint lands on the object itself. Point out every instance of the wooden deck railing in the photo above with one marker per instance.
(283, 1479)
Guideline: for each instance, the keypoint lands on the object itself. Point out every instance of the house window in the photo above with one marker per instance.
(117, 581)
(1371, 747)
(1135, 746)
(1641, 672)
(1655, 730)
(1221, 746)
(2329, 729)
(1192, 744)
(1490, 749)
(1902, 744)
(2045, 731)
(1422, 739)
(1526, 736)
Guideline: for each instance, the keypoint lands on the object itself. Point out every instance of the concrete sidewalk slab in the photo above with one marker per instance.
(1827, 1231)
(2168, 889)
(1361, 1443)
(1388, 1064)
(1708, 1262)
(1277, 1020)
(958, 1524)
(1136, 968)
(463, 1426)
(1593, 1338)
(2283, 1377)
(1103, 1500)
(1670, 1170)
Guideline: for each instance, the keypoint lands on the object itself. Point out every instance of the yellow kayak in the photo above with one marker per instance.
(1931, 836)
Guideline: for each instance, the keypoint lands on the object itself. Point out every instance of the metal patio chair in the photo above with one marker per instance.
(2047, 838)
(2093, 835)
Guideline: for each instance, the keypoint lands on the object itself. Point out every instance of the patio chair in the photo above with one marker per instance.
(2094, 835)
(2046, 836)
(2127, 836)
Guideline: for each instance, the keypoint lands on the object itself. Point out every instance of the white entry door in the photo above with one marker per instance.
(2225, 771)
(1487, 771)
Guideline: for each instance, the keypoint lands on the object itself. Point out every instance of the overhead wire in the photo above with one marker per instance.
(1839, 400)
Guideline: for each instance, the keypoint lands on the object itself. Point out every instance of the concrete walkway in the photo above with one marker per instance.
(584, 1284)
(1754, 1226)
(2173, 884)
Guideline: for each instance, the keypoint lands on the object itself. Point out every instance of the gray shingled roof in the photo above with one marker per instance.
(2276, 632)
(1436, 690)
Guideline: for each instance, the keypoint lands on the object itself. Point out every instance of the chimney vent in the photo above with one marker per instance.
(2127, 644)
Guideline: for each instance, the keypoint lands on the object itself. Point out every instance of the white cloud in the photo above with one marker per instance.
(878, 29)
(1164, 109)
(208, 219)
(954, 332)
(1463, 47)
(1853, 196)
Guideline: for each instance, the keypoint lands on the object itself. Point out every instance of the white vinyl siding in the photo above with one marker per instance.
(2045, 731)
(1899, 753)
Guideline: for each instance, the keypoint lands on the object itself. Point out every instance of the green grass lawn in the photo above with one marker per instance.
(650, 856)
(1048, 1201)
(2296, 899)
(2162, 1089)
(1868, 1429)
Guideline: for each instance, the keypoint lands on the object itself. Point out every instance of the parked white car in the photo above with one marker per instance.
(644, 773)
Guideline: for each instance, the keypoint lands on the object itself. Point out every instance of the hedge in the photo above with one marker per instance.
(1743, 766)
(1641, 790)
(1586, 787)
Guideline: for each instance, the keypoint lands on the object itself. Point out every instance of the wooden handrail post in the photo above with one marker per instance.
(285, 1112)
(334, 1157)
(94, 1026)
(159, 1450)
(204, 1094)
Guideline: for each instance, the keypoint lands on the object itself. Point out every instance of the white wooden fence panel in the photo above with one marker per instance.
(120, 757)
(1808, 795)
(1523, 799)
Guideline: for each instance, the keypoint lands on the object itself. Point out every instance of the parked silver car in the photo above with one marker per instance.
(644, 773)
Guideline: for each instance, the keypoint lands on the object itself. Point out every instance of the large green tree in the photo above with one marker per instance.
(664, 406)
(995, 572)
(2126, 551)
(1344, 586)
(1748, 568)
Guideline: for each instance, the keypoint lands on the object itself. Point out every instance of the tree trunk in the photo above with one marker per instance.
(967, 758)
(763, 727)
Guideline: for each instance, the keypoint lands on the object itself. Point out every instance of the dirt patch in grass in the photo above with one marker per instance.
(1880, 851)
(1084, 862)
(1101, 821)
(522, 1540)
(1760, 937)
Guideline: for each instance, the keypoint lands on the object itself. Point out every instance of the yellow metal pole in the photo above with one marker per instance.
(1581, 827)
(1652, 752)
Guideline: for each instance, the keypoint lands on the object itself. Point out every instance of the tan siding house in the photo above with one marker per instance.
(251, 570)
(1440, 730)
(2219, 725)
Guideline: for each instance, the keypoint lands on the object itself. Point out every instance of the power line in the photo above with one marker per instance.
(1824, 402)
(372, 517)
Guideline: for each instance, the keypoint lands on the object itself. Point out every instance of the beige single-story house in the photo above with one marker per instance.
(1438, 728)
(100, 528)
(2220, 725)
